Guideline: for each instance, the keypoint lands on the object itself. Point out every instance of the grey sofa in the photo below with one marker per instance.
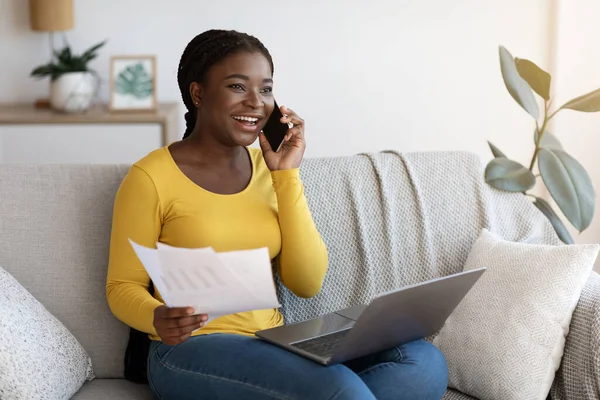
(388, 220)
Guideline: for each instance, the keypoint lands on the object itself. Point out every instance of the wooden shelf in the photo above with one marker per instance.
(166, 115)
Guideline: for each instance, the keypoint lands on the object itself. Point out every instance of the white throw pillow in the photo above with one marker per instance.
(506, 338)
(39, 357)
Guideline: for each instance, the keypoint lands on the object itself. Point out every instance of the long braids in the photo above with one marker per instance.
(203, 52)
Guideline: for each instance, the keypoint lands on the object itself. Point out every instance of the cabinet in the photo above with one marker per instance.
(30, 135)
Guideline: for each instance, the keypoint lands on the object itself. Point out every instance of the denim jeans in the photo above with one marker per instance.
(226, 366)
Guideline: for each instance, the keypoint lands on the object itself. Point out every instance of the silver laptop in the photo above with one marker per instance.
(391, 319)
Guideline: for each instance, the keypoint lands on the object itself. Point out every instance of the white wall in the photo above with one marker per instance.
(394, 74)
(576, 73)
(408, 75)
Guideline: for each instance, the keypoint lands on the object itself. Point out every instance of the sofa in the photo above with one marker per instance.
(388, 219)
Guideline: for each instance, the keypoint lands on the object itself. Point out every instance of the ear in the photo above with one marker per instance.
(196, 92)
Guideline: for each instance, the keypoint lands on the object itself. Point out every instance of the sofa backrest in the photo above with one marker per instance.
(387, 219)
(393, 219)
(55, 223)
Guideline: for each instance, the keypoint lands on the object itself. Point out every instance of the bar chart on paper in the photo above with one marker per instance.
(178, 279)
(212, 283)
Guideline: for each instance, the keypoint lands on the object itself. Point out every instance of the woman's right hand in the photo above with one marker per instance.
(175, 325)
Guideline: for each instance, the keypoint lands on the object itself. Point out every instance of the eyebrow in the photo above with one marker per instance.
(244, 77)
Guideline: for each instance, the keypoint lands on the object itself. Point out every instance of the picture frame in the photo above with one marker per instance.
(132, 83)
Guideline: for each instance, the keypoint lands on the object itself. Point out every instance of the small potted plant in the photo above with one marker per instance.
(73, 84)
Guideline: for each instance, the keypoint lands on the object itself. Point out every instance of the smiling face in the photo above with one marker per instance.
(236, 98)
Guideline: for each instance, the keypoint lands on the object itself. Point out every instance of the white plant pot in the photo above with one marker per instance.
(73, 91)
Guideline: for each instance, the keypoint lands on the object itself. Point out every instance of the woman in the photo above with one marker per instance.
(211, 189)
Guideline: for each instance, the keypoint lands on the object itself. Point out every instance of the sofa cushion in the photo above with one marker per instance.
(39, 357)
(55, 226)
(113, 389)
(506, 338)
(452, 394)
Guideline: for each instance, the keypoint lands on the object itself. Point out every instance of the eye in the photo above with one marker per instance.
(236, 86)
(266, 90)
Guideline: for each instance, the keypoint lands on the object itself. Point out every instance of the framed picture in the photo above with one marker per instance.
(133, 83)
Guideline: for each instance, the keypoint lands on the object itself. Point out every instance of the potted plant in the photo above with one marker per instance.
(567, 181)
(73, 84)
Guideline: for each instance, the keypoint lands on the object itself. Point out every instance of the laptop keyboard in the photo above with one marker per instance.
(322, 346)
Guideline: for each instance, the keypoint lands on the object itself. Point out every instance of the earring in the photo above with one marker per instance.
(196, 103)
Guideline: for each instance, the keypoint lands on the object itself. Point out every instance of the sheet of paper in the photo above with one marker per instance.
(212, 283)
(151, 262)
(253, 268)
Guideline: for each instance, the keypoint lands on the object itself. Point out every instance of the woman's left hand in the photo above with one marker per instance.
(292, 148)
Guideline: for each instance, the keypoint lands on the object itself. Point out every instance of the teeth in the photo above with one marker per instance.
(249, 119)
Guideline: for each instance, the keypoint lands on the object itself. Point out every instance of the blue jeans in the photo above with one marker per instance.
(225, 366)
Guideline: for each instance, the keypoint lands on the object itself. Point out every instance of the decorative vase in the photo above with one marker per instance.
(73, 92)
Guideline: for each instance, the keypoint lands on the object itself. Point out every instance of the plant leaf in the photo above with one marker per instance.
(549, 141)
(518, 88)
(495, 151)
(569, 185)
(64, 55)
(589, 102)
(537, 78)
(90, 53)
(508, 175)
(42, 70)
(557, 224)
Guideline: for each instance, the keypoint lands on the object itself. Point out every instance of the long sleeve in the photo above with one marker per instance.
(303, 259)
(136, 215)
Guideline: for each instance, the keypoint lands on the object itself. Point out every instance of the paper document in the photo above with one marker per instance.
(213, 283)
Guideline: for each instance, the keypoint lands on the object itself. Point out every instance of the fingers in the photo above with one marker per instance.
(290, 116)
(173, 341)
(170, 320)
(175, 312)
(296, 130)
(185, 321)
(178, 331)
(264, 143)
(184, 329)
(178, 312)
(293, 119)
(175, 325)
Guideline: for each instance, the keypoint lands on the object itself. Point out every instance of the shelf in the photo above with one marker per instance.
(26, 114)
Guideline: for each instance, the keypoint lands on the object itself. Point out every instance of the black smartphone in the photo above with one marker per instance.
(274, 129)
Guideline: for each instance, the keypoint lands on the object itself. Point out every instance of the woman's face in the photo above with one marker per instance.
(236, 98)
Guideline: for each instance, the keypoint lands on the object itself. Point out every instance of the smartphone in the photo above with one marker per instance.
(274, 129)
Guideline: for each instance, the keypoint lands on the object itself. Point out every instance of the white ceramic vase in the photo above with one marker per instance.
(73, 92)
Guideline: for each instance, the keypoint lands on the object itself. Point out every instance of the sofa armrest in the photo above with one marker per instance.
(578, 377)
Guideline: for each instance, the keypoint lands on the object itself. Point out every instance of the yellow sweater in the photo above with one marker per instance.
(157, 202)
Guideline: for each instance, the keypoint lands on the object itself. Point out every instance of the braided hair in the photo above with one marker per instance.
(203, 52)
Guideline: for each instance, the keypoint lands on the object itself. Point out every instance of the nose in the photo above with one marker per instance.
(254, 100)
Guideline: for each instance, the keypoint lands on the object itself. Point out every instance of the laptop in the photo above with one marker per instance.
(390, 320)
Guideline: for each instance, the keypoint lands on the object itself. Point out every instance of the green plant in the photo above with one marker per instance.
(64, 61)
(565, 178)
